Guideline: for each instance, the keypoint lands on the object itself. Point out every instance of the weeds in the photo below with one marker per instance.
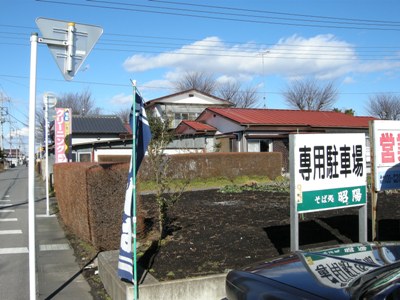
(280, 184)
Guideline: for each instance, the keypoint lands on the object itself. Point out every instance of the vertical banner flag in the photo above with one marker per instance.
(141, 138)
(62, 129)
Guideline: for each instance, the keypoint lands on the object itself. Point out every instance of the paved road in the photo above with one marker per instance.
(58, 274)
(14, 276)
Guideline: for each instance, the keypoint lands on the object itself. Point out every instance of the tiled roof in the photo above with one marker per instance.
(198, 126)
(97, 124)
(249, 116)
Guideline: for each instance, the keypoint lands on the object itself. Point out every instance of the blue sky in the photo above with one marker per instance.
(264, 43)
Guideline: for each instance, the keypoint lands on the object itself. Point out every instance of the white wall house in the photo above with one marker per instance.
(186, 105)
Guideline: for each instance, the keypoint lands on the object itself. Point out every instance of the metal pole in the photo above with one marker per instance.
(46, 122)
(31, 169)
(70, 47)
(134, 159)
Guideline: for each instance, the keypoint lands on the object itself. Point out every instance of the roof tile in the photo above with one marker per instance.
(250, 116)
(97, 124)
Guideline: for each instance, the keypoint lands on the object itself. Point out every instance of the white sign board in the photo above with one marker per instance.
(385, 140)
(327, 171)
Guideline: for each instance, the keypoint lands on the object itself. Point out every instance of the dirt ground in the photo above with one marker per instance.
(212, 232)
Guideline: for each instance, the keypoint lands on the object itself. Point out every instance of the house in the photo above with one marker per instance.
(266, 130)
(96, 136)
(194, 137)
(186, 105)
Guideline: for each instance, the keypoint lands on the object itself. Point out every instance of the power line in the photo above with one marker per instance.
(165, 87)
(390, 26)
(155, 40)
(323, 19)
(273, 12)
(277, 53)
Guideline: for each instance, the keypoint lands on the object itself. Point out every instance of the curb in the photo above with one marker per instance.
(199, 288)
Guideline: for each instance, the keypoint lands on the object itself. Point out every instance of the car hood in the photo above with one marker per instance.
(324, 271)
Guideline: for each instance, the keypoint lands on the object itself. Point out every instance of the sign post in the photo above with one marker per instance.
(49, 101)
(327, 171)
(70, 43)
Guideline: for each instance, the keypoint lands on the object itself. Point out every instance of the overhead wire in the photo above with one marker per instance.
(161, 45)
(277, 51)
(270, 12)
(173, 11)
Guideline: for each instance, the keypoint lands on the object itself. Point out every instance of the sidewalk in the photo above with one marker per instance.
(58, 274)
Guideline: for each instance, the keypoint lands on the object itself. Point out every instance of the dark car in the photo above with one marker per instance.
(350, 271)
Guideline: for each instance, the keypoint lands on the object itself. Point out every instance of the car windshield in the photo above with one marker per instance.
(375, 279)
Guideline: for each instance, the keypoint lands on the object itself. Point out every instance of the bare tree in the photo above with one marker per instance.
(230, 91)
(124, 113)
(200, 81)
(40, 125)
(247, 97)
(80, 103)
(159, 164)
(384, 106)
(308, 95)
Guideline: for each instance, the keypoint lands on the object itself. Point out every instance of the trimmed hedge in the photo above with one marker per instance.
(91, 195)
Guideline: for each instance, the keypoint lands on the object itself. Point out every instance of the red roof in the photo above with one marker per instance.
(198, 126)
(251, 116)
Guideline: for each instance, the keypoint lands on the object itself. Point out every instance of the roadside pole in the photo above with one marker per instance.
(70, 52)
(31, 168)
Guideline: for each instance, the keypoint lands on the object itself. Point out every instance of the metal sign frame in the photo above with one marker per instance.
(70, 43)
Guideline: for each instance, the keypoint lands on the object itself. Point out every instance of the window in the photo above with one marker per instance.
(261, 145)
(253, 146)
(185, 116)
(85, 157)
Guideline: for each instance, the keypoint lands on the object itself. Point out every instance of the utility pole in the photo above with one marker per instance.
(3, 114)
(263, 74)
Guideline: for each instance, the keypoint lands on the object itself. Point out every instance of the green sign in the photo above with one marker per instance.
(332, 198)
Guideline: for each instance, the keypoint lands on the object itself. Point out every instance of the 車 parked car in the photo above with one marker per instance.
(350, 271)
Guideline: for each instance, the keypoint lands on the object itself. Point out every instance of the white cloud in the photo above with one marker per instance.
(121, 99)
(348, 80)
(209, 54)
(324, 57)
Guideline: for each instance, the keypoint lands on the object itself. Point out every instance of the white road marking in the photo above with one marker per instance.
(10, 231)
(17, 250)
(5, 205)
(54, 247)
(7, 211)
(5, 200)
(8, 219)
(45, 216)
